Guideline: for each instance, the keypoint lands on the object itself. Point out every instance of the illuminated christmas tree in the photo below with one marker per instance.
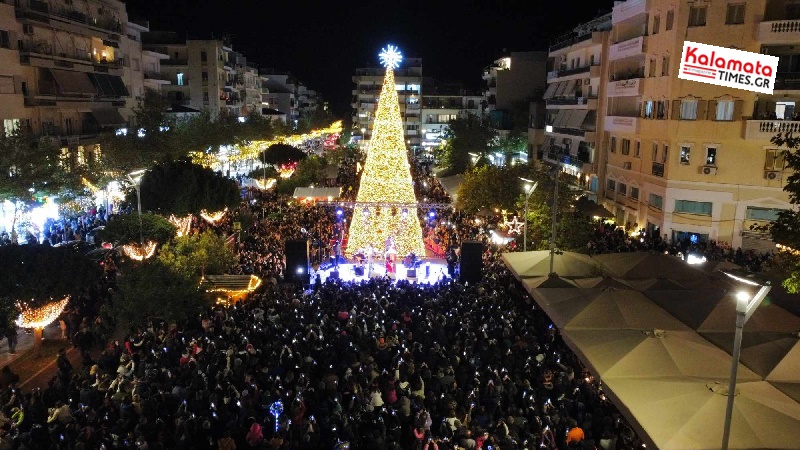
(386, 179)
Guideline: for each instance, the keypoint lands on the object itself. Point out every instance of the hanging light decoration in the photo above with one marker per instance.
(213, 218)
(40, 317)
(183, 224)
(139, 253)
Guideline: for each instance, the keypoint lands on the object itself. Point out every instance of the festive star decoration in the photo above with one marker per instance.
(390, 57)
(515, 226)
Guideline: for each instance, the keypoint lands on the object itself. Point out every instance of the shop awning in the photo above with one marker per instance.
(577, 118)
(551, 89)
(70, 83)
(108, 117)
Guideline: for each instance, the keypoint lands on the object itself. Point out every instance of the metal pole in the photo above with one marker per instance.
(553, 229)
(737, 346)
(525, 232)
(139, 202)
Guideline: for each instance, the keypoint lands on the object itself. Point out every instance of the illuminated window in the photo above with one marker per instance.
(725, 110)
(685, 154)
(180, 78)
(688, 109)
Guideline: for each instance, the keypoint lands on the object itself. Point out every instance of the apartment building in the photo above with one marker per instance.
(577, 74)
(368, 83)
(202, 72)
(143, 70)
(440, 107)
(62, 71)
(691, 160)
(280, 99)
(516, 77)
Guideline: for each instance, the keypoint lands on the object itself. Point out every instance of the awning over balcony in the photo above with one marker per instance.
(108, 117)
(71, 83)
(577, 118)
(551, 89)
(562, 118)
(560, 90)
(109, 85)
(569, 90)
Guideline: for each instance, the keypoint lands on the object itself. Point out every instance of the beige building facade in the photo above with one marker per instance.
(689, 160)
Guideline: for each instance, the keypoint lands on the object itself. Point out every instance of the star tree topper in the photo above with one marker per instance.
(390, 57)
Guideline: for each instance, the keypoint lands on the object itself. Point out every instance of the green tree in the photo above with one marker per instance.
(464, 135)
(29, 169)
(278, 154)
(309, 171)
(314, 119)
(182, 188)
(574, 231)
(198, 255)
(786, 230)
(155, 290)
(256, 128)
(123, 229)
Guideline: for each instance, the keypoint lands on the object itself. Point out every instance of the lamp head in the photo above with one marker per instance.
(742, 298)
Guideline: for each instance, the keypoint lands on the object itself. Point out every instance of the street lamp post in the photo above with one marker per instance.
(557, 170)
(531, 188)
(745, 306)
(135, 177)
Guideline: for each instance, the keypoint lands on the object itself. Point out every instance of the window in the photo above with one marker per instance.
(665, 153)
(637, 149)
(204, 77)
(180, 78)
(649, 109)
(688, 109)
(697, 16)
(136, 64)
(203, 56)
(656, 23)
(611, 186)
(685, 152)
(670, 19)
(770, 214)
(692, 207)
(725, 110)
(661, 110)
(613, 145)
(4, 39)
(665, 66)
(634, 193)
(711, 156)
(655, 151)
(656, 201)
(652, 67)
(626, 146)
(775, 160)
(622, 188)
(735, 14)
(205, 96)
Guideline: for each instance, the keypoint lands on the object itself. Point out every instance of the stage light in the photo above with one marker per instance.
(300, 270)
(339, 212)
(432, 214)
(405, 213)
(366, 211)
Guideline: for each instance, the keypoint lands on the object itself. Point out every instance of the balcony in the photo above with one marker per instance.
(787, 81)
(621, 124)
(567, 72)
(766, 129)
(159, 77)
(658, 169)
(570, 40)
(627, 10)
(779, 32)
(625, 88)
(591, 101)
(41, 11)
(626, 49)
(175, 62)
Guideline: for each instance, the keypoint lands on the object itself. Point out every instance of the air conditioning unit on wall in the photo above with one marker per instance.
(708, 170)
(626, 165)
(772, 175)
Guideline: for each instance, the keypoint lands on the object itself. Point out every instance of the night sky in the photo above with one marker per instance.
(322, 43)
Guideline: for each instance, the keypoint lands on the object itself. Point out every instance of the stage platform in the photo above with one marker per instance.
(431, 270)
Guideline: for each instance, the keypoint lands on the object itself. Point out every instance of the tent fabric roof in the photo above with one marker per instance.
(537, 264)
(659, 333)
(317, 192)
(548, 283)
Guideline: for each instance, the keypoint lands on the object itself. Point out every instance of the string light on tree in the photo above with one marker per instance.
(183, 224)
(39, 318)
(213, 218)
(386, 178)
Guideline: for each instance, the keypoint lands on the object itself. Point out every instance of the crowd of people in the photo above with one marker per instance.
(376, 365)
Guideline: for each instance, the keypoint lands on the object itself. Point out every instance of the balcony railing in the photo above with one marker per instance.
(111, 24)
(567, 72)
(175, 62)
(787, 81)
(766, 129)
(158, 76)
(658, 169)
(568, 101)
(779, 32)
(570, 41)
(569, 131)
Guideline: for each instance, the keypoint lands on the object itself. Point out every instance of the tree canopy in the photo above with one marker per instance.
(464, 135)
(279, 154)
(198, 255)
(182, 188)
(39, 274)
(786, 229)
(123, 229)
(309, 171)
